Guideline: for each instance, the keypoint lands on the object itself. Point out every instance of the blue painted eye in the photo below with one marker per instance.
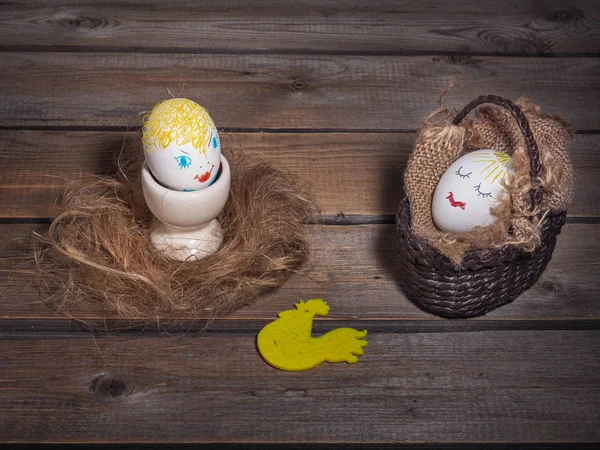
(215, 142)
(183, 161)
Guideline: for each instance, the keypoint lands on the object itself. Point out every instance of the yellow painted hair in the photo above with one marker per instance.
(177, 120)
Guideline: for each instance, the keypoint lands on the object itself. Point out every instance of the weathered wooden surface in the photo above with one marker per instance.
(332, 91)
(283, 91)
(354, 268)
(508, 27)
(350, 173)
(535, 386)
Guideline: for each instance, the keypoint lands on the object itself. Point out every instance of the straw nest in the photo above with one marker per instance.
(97, 256)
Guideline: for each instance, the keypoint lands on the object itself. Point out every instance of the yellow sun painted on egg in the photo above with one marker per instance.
(180, 121)
(496, 167)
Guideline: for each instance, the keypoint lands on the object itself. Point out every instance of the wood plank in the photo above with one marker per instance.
(528, 386)
(283, 91)
(354, 268)
(351, 173)
(512, 26)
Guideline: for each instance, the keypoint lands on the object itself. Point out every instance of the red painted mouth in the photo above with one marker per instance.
(455, 203)
(205, 176)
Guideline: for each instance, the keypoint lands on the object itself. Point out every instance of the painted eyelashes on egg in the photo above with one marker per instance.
(482, 194)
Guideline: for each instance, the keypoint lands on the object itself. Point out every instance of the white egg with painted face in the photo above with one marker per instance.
(182, 146)
(468, 188)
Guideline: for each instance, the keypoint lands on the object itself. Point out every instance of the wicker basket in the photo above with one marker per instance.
(485, 279)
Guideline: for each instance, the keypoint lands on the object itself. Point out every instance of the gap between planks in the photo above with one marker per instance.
(232, 130)
(282, 52)
(326, 219)
(56, 328)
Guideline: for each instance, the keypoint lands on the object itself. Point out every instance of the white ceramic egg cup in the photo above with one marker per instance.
(187, 228)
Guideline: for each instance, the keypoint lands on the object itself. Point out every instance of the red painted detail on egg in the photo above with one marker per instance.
(454, 203)
(205, 176)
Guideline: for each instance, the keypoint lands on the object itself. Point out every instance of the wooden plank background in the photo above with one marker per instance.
(350, 173)
(383, 93)
(354, 268)
(384, 26)
(333, 92)
(407, 386)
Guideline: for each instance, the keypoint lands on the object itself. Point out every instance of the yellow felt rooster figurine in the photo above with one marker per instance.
(287, 344)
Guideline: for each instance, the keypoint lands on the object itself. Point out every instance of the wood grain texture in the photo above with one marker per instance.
(332, 91)
(355, 269)
(535, 386)
(283, 91)
(508, 27)
(350, 173)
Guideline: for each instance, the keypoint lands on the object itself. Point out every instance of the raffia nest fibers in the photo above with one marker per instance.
(97, 254)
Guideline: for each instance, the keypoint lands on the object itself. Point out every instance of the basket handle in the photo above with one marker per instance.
(532, 148)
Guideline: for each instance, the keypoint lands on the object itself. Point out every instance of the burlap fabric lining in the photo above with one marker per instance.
(439, 144)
